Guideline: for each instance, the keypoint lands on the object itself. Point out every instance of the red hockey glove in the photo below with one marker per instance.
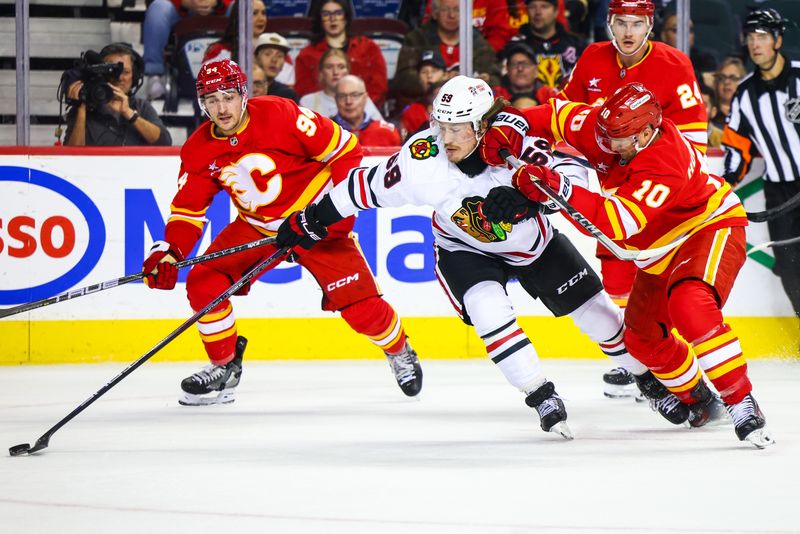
(506, 204)
(506, 131)
(301, 230)
(159, 267)
(525, 176)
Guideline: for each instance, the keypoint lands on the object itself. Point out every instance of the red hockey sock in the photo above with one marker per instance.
(377, 320)
(670, 360)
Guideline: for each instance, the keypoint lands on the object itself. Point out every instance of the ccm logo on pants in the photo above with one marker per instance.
(572, 281)
(343, 282)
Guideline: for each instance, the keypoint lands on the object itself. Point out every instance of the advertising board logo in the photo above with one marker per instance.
(51, 235)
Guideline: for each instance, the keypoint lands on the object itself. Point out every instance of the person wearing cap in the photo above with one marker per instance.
(330, 28)
(333, 65)
(441, 34)
(351, 100)
(765, 119)
(554, 50)
(432, 72)
(521, 78)
(270, 51)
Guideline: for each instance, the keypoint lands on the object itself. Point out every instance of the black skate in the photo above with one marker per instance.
(708, 409)
(407, 370)
(619, 384)
(661, 400)
(214, 384)
(551, 410)
(749, 422)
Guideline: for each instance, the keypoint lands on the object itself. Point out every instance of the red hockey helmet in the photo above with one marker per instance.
(222, 75)
(639, 8)
(632, 108)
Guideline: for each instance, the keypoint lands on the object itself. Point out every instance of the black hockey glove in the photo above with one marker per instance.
(301, 230)
(506, 204)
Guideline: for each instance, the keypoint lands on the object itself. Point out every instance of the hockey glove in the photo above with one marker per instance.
(159, 267)
(506, 131)
(525, 177)
(301, 230)
(506, 204)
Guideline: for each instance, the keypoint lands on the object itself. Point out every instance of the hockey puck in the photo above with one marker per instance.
(16, 450)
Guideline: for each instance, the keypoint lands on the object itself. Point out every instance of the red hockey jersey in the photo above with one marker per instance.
(664, 70)
(662, 195)
(281, 159)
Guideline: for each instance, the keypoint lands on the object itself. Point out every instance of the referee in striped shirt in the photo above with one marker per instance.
(765, 119)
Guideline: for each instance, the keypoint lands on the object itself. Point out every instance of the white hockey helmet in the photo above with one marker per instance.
(463, 99)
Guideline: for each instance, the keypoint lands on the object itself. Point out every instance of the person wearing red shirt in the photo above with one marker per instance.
(351, 100)
(272, 157)
(331, 26)
(658, 192)
(432, 73)
(606, 66)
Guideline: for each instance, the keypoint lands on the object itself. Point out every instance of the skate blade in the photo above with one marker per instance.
(760, 438)
(225, 396)
(562, 429)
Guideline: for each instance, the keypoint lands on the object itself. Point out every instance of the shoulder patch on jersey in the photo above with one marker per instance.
(424, 148)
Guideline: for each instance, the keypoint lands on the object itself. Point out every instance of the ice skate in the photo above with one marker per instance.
(708, 410)
(214, 384)
(407, 370)
(661, 400)
(749, 422)
(551, 410)
(619, 384)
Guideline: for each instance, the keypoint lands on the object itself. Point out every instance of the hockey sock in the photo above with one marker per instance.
(217, 328)
(602, 320)
(377, 320)
(490, 311)
(696, 315)
(670, 360)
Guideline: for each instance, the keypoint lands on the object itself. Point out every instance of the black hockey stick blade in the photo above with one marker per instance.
(44, 440)
(774, 213)
(102, 286)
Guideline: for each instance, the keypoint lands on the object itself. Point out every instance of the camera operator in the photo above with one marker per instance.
(99, 117)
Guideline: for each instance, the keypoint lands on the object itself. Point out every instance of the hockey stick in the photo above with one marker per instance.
(578, 217)
(102, 286)
(770, 244)
(752, 216)
(44, 440)
(774, 213)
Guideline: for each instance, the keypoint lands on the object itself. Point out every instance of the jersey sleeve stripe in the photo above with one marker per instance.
(199, 222)
(636, 211)
(560, 118)
(611, 208)
(183, 211)
(334, 142)
(372, 172)
(314, 187)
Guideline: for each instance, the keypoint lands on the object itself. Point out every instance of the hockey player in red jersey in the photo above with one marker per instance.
(662, 194)
(272, 157)
(606, 66)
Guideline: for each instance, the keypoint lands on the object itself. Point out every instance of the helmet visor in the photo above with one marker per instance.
(614, 145)
(453, 132)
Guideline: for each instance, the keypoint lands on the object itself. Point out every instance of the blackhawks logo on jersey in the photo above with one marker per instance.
(424, 148)
(470, 219)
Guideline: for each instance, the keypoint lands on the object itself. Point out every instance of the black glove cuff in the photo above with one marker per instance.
(326, 213)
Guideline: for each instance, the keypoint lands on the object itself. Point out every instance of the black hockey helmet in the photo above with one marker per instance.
(764, 21)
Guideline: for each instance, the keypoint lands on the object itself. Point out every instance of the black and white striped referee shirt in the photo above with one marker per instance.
(765, 119)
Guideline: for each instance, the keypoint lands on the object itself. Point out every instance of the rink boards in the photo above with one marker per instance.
(72, 218)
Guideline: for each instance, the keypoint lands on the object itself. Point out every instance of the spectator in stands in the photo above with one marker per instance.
(330, 29)
(228, 46)
(332, 67)
(441, 34)
(259, 80)
(416, 116)
(431, 69)
(159, 19)
(554, 50)
(351, 100)
(726, 80)
(710, 101)
(491, 18)
(270, 50)
(125, 120)
(703, 61)
(522, 73)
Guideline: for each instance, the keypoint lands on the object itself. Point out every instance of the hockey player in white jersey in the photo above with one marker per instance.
(475, 259)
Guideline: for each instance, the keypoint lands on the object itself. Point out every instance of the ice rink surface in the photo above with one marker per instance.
(334, 447)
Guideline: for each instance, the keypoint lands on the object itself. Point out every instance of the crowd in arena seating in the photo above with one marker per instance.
(525, 50)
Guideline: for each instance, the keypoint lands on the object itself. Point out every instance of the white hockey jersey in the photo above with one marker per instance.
(421, 175)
